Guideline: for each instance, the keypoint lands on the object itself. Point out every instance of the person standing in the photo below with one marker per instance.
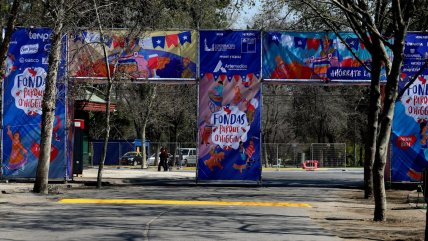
(163, 159)
(166, 163)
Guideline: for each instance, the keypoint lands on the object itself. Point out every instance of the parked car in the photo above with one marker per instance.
(131, 158)
(151, 160)
(188, 156)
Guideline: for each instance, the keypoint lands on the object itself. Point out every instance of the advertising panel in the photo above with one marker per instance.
(24, 85)
(314, 56)
(150, 55)
(410, 130)
(229, 119)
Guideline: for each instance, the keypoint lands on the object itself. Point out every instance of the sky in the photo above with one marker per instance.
(247, 14)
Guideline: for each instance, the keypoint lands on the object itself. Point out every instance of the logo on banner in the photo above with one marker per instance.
(28, 90)
(45, 60)
(29, 49)
(218, 47)
(248, 45)
(24, 60)
(405, 142)
(219, 67)
(41, 36)
(232, 67)
(415, 99)
(230, 126)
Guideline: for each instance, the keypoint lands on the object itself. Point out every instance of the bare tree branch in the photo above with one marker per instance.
(334, 29)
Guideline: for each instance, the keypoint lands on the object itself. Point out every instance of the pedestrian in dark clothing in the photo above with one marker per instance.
(163, 159)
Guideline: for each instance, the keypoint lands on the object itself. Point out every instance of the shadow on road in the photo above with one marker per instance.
(344, 180)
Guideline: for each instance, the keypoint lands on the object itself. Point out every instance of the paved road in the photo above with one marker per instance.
(30, 217)
(332, 178)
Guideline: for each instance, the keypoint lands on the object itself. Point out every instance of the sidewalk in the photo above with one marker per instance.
(15, 187)
(126, 172)
(351, 217)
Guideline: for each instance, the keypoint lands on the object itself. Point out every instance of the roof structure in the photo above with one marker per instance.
(89, 101)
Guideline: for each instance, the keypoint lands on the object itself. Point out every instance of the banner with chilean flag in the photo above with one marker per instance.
(229, 120)
(314, 57)
(152, 55)
(24, 85)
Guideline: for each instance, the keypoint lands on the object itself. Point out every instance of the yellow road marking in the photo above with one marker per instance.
(181, 202)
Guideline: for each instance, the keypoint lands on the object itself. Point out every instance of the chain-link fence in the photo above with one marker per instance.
(281, 155)
(181, 153)
(329, 154)
(277, 155)
(284, 154)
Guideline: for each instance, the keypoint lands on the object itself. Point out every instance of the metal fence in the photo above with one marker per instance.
(284, 154)
(116, 149)
(278, 155)
(294, 154)
(329, 154)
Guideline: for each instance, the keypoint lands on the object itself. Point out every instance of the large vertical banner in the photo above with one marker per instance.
(24, 85)
(150, 55)
(229, 106)
(316, 57)
(409, 137)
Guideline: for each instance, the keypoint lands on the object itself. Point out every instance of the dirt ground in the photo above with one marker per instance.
(351, 217)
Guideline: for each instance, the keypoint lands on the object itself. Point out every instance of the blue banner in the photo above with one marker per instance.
(410, 130)
(415, 53)
(229, 119)
(24, 85)
(316, 56)
(232, 54)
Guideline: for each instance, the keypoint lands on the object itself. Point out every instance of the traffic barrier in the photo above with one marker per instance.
(310, 165)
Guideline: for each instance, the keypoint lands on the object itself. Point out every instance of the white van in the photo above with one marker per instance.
(187, 156)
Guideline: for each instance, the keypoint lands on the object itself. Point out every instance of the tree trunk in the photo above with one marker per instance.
(372, 126)
(48, 105)
(380, 162)
(265, 151)
(143, 146)
(426, 225)
(391, 92)
(145, 121)
(136, 124)
(108, 103)
(107, 131)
